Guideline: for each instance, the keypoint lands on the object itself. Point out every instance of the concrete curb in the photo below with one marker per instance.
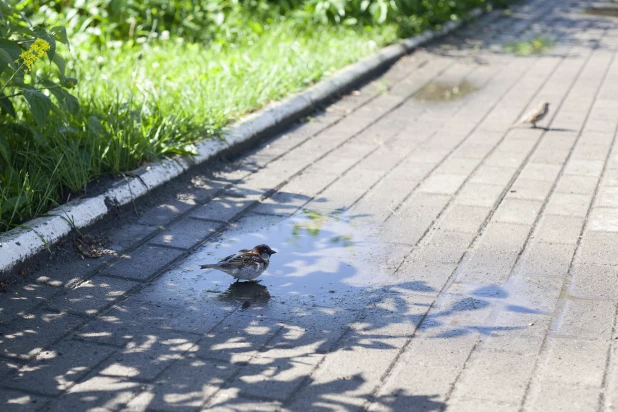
(20, 244)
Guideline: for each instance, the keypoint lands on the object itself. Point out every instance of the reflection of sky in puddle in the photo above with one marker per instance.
(322, 259)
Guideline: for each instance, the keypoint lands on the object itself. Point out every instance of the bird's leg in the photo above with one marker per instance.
(237, 280)
(534, 125)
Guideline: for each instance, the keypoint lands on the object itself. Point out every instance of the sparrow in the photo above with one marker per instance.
(534, 116)
(245, 264)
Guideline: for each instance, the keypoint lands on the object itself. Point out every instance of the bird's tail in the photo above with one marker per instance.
(210, 266)
(517, 123)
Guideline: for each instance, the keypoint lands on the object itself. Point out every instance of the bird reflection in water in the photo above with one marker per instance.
(249, 293)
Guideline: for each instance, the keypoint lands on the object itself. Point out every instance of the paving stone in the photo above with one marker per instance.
(566, 356)
(504, 237)
(98, 393)
(282, 204)
(223, 208)
(147, 355)
(478, 194)
(517, 211)
(495, 376)
(529, 189)
(444, 247)
(591, 168)
(557, 396)
(607, 196)
(595, 282)
(478, 405)
(239, 336)
(186, 385)
(559, 229)
(12, 400)
(587, 319)
(425, 373)
(457, 166)
(423, 278)
(93, 295)
(309, 332)
(486, 266)
(571, 184)
(611, 395)
(67, 274)
(534, 294)
(598, 248)
(413, 219)
(128, 236)
(131, 318)
(59, 367)
(546, 259)
(519, 331)
(461, 309)
(442, 184)
(461, 218)
(142, 263)
(162, 214)
(8, 367)
(274, 378)
(394, 315)
(229, 400)
(23, 300)
(341, 379)
(568, 205)
(603, 219)
(31, 332)
(186, 233)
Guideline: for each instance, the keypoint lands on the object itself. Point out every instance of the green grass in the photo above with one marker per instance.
(157, 99)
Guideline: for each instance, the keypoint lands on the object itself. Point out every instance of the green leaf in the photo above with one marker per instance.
(95, 128)
(43, 34)
(66, 100)
(7, 106)
(6, 61)
(60, 63)
(11, 48)
(60, 33)
(40, 105)
(69, 82)
(5, 151)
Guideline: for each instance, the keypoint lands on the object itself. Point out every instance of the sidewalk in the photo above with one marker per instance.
(429, 257)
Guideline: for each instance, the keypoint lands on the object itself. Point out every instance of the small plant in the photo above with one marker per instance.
(537, 45)
(22, 47)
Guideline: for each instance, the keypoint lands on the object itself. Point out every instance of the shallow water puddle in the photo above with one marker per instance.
(441, 91)
(321, 259)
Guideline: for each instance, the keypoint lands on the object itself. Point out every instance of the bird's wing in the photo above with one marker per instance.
(241, 259)
(528, 117)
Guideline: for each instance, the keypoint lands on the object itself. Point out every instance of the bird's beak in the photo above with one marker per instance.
(273, 252)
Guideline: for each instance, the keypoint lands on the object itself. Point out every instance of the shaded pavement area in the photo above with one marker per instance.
(430, 257)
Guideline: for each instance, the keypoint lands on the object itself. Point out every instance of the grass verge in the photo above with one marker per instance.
(157, 99)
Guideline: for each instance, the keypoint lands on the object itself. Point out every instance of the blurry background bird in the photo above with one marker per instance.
(534, 116)
(245, 264)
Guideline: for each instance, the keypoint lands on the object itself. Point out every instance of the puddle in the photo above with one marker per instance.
(445, 91)
(604, 11)
(537, 45)
(321, 260)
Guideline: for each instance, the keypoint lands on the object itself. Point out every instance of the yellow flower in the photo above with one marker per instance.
(37, 50)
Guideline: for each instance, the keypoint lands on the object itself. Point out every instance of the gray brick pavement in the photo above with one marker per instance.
(430, 258)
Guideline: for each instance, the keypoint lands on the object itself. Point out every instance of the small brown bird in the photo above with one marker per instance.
(534, 116)
(245, 264)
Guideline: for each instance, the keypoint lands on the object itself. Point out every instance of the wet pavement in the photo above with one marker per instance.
(429, 257)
